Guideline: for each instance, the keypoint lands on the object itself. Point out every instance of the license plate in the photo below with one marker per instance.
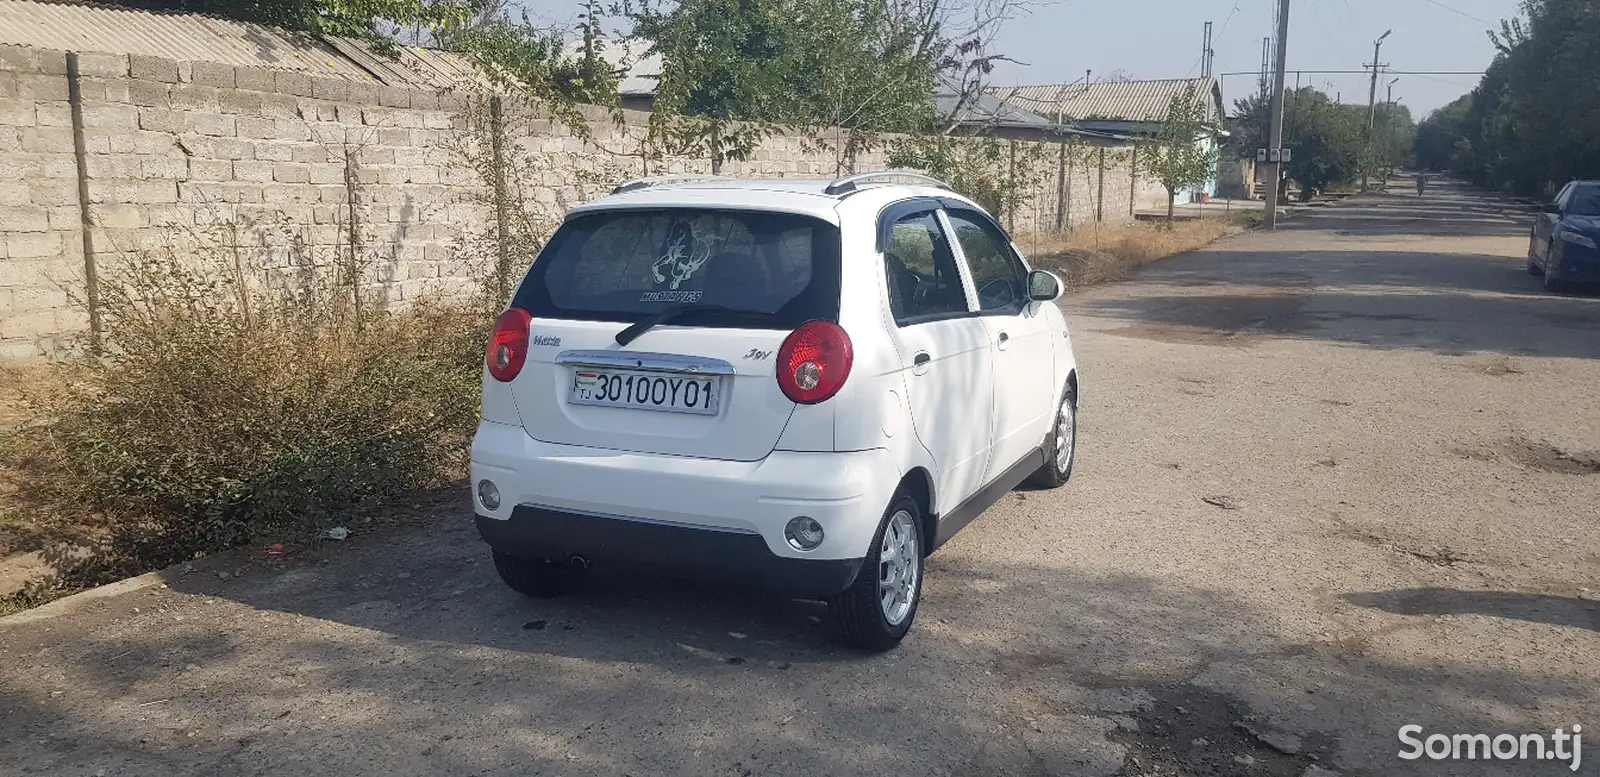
(674, 393)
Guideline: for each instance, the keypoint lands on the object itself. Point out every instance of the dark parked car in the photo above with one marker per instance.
(1562, 248)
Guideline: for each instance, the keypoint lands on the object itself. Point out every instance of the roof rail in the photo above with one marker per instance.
(657, 180)
(851, 183)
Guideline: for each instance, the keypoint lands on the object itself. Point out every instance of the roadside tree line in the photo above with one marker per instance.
(1533, 121)
(1332, 144)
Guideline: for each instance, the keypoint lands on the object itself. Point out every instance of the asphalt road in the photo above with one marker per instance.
(1398, 434)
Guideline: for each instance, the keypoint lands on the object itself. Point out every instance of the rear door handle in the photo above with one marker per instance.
(921, 362)
(1004, 340)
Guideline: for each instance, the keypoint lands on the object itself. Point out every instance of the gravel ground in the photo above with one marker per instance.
(1333, 480)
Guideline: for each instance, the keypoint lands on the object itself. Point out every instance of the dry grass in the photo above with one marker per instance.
(231, 410)
(25, 391)
(1089, 256)
(25, 386)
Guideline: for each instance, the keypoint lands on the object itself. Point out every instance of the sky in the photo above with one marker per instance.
(1162, 39)
(1059, 39)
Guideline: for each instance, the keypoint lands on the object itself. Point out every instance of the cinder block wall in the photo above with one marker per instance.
(277, 166)
(40, 235)
(179, 155)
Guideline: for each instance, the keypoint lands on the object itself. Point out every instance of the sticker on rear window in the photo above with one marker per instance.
(681, 262)
(670, 296)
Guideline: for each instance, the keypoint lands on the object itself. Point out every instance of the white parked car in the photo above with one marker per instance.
(804, 385)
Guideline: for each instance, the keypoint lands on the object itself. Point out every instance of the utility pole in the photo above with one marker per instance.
(1206, 54)
(1388, 134)
(1372, 103)
(1275, 138)
(1264, 91)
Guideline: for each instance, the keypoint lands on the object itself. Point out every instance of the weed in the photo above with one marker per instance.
(1092, 255)
(230, 405)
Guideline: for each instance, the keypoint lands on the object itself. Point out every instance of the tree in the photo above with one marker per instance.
(1394, 137)
(1439, 136)
(1328, 144)
(520, 58)
(1327, 140)
(985, 168)
(1183, 153)
(1530, 124)
(372, 20)
(735, 70)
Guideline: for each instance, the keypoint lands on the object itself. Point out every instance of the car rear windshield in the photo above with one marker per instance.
(624, 265)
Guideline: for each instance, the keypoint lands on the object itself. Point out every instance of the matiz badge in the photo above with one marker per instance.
(554, 342)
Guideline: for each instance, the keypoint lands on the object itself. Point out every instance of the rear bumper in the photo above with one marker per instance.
(698, 552)
(752, 500)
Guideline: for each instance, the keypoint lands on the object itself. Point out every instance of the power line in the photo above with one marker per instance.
(1229, 19)
(1351, 12)
(1432, 78)
(1458, 12)
(1364, 71)
(1329, 38)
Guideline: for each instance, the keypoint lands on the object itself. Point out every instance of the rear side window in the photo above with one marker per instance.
(623, 265)
(920, 268)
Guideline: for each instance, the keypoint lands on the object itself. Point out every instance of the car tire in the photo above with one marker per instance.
(1551, 283)
(893, 567)
(539, 577)
(1057, 469)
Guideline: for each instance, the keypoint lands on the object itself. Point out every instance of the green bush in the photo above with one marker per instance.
(233, 404)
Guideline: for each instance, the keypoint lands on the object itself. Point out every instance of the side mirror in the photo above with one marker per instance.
(1550, 207)
(1043, 286)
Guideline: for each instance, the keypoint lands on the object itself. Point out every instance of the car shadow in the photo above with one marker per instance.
(1567, 611)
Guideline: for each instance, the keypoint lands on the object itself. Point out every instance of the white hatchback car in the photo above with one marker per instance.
(803, 385)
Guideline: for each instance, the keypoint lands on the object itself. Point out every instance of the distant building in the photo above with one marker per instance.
(986, 114)
(638, 69)
(1129, 109)
(1125, 107)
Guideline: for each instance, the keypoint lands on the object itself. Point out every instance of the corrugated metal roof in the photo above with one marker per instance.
(983, 109)
(640, 67)
(1113, 100)
(202, 38)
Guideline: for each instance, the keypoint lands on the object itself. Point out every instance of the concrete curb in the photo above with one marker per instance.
(74, 602)
(69, 604)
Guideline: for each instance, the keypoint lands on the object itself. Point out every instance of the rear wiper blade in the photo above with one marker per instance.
(671, 312)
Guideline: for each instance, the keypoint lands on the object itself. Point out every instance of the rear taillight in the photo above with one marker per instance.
(508, 346)
(814, 361)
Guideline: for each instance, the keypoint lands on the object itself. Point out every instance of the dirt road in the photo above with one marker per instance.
(1334, 480)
